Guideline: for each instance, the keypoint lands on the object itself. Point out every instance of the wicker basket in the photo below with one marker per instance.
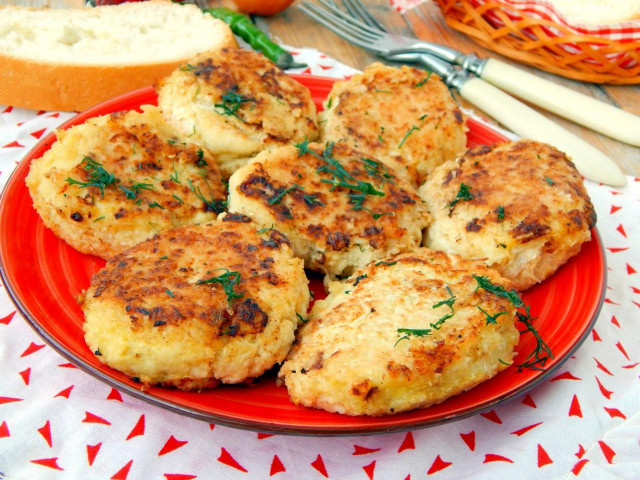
(547, 44)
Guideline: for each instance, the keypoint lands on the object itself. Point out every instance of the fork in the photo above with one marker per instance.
(518, 117)
(360, 27)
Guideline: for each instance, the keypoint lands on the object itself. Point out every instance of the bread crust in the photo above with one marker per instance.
(46, 85)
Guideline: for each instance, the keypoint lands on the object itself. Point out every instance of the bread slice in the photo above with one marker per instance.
(72, 59)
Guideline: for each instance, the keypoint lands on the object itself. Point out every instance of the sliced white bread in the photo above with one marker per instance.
(72, 59)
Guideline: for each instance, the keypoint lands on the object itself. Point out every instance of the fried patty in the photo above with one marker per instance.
(404, 117)
(119, 179)
(197, 305)
(236, 103)
(404, 333)
(340, 208)
(521, 207)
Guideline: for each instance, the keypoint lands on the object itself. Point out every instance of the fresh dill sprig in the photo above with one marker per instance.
(231, 102)
(491, 319)
(131, 192)
(421, 332)
(406, 135)
(463, 194)
(216, 206)
(228, 280)
(98, 176)
(279, 196)
(422, 82)
(312, 199)
(541, 352)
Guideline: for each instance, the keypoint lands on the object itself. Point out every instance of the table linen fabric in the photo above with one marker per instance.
(57, 422)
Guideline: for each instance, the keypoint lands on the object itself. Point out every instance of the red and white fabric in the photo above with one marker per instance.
(57, 422)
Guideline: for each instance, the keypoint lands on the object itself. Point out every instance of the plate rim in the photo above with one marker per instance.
(253, 424)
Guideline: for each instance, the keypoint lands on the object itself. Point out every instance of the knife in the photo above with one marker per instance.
(521, 119)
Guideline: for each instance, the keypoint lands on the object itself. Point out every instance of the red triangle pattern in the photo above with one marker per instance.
(171, 444)
(31, 349)
(64, 393)
(620, 228)
(491, 457)
(212, 426)
(407, 443)
(262, 435)
(7, 319)
(621, 348)
(25, 374)
(178, 476)
(138, 429)
(358, 450)
(578, 466)
(633, 365)
(226, 458)
(604, 391)
(45, 431)
(114, 395)
(565, 376)
(318, 464)
(614, 209)
(575, 410)
(602, 367)
(614, 320)
(493, 416)
(633, 289)
(543, 457)
(469, 439)
(9, 400)
(595, 336)
(368, 469)
(48, 462)
(38, 134)
(123, 472)
(631, 270)
(528, 401)
(9, 109)
(91, 418)
(4, 430)
(614, 412)
(67, 365)
(92, 451)
(15, 143)
(524, 430)
(607, 451)
(437, 465)
(276, 466)
(610, 302)
(581, 451)
(617, 249)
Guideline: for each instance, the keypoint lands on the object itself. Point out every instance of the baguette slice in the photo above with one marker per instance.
(72, 59)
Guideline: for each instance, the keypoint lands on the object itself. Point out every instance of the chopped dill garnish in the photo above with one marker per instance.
(156, 205)
(201, 162)
(265, 229)
(358, 278)
(549, 181)
(302, 319)
(406, 135)
(98, 219)
(174, 175)
(98, 176)
(499, 213)
(421, 332)
(216, 206)
(329, 102)
(278, 197)
(463, 194)
(187, 67)
(312, 199)
(178, 198)
(228, 280)
(382, 262)
(169, 292)
(383, 91)
(231, 102)
(163, 258)
(422, 82)
(131, 192)
(491, 319)
(541, 352)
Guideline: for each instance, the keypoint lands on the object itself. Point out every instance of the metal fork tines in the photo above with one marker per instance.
(359, 27)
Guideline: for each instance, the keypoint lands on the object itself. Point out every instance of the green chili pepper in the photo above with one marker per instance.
(242, 26)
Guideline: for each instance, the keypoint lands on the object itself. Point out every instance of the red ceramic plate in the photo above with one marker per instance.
(43, 275)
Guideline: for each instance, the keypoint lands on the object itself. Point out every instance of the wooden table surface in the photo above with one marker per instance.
(293, 28)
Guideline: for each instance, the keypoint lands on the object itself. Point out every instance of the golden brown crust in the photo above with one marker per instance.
(158, 182)
(207, 288)
(334, 228)
(529, 211)
(237, 103)
(405, 117)
(356, 356)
